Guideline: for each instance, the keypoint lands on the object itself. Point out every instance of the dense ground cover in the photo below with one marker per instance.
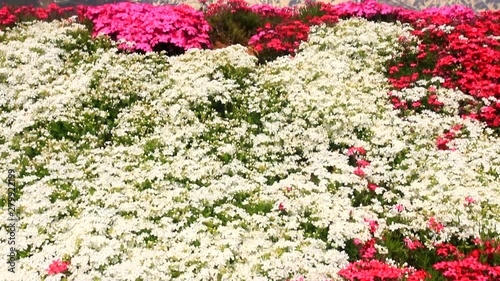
(358, 142)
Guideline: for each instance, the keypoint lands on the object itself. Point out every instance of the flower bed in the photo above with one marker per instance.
(362, 146)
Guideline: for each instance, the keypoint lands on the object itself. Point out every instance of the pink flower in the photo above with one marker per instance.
(399, 208)
(434, 101)
(469, 200)
(363, 163)
(373, 225)
(357, 241)
(359, 172)
(57, 266)
(413, 245)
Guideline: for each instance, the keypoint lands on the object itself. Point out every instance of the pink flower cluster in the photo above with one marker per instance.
(147, 25)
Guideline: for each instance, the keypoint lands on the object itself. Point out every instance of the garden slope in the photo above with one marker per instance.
(142, 166)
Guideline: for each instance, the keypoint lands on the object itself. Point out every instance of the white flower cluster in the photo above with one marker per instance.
(206, 166)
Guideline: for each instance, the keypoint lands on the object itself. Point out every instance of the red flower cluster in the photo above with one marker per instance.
(446, 250)
(429, 102)
(282, 39)
(468, 58)
(469, 267)
(442, 141)
(147, 25)
(6, 16)
(11, 15)
(474, 57)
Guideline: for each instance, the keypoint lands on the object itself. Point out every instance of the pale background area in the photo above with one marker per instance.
(478, 5)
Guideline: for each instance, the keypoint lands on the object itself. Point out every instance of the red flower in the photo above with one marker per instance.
(419, 275)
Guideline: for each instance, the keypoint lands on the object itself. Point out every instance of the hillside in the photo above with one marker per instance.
(478, 5)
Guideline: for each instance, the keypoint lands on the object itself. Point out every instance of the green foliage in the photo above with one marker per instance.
(311, 230)
(64, 191)
(310, 10)
(25, 253)
(233, 27)
(144, 185)
(149, 238)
